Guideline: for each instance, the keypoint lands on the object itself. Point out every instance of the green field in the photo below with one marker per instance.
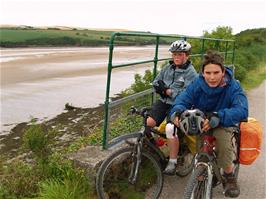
(52, 37)
(24, 37)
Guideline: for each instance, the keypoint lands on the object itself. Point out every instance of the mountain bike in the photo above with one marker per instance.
(135, 170)
(206, 174)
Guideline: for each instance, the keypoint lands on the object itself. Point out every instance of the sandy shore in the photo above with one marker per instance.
(37, 83)
(33, 67)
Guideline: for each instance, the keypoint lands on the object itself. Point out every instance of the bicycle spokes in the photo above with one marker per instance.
(122, 175)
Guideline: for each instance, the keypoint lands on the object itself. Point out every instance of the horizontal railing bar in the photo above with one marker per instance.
(131, 97)
(152, 60)
(141, 62)
(169, 36)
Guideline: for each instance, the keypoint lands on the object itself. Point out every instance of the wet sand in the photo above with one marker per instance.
(37, 83)
(90, 61)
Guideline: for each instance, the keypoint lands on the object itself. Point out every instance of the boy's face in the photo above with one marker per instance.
(213, 74)
(179, 58)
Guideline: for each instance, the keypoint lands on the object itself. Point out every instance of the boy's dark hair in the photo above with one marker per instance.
(213, 57)
(188, 52)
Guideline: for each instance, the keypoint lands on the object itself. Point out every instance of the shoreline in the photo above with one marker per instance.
(69, 125)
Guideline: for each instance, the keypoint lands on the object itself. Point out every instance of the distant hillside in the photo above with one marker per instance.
(27, 36)
(8, 26)
(251, 36)
(250, 51)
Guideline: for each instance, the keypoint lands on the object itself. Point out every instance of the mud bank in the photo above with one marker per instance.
(69, 125)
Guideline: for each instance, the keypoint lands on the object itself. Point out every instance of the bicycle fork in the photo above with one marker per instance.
(136, 161)
(209, 169)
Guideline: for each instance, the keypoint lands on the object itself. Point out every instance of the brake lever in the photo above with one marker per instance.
(132, 110)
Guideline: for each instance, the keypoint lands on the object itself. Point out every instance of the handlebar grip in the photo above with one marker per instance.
(132, 110)
(144, 112)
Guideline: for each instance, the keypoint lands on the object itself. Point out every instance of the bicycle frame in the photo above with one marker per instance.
(142, 142)
(207, 158)
(138, 148)
(136, 155)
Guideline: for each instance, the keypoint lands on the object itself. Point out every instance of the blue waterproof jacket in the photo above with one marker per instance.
(228, 101)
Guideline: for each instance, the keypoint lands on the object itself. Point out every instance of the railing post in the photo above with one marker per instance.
(106, 103)
(226, 46)
(233, 58)
(155, 64)
(217, 45)
(156, 57)
(202, 48)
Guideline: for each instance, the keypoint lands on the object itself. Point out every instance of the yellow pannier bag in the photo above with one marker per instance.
(161, 128)
(190, 140)
(250, 141)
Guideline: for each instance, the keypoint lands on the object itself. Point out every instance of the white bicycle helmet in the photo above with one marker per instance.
(191, 122)
(180, 46)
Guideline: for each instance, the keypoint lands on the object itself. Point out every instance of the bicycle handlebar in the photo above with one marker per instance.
(144, 112)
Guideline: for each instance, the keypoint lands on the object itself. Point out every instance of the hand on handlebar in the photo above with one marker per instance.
(193, 122)
(161, 89)
(174, 118)
(144, 112)
(176, 121)
(212, 121)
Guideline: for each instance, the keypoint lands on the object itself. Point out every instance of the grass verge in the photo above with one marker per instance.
(254, 77)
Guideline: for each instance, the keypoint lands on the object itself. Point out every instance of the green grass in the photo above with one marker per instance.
(70, 189)
(22, 35)
(254, 77)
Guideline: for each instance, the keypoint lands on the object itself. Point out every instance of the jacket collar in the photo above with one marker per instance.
(183, 66)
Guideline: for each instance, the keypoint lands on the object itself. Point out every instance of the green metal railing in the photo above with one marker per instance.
(228, 50)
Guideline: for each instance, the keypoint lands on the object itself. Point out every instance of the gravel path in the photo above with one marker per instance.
(252, 178)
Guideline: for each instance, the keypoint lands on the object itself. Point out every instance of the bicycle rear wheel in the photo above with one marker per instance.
(197, 186)
(112, 180)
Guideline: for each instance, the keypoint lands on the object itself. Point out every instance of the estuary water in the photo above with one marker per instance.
(38, 82)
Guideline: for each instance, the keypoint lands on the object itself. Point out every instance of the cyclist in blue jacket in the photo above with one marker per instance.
(214, 91)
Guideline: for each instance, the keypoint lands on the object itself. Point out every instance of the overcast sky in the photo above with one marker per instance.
(187, 17)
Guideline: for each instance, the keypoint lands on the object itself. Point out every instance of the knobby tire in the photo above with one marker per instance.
(197, 185)
(112, 177)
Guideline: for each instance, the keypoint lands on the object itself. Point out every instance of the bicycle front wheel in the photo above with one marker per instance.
(112, 180)
(198, 186)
